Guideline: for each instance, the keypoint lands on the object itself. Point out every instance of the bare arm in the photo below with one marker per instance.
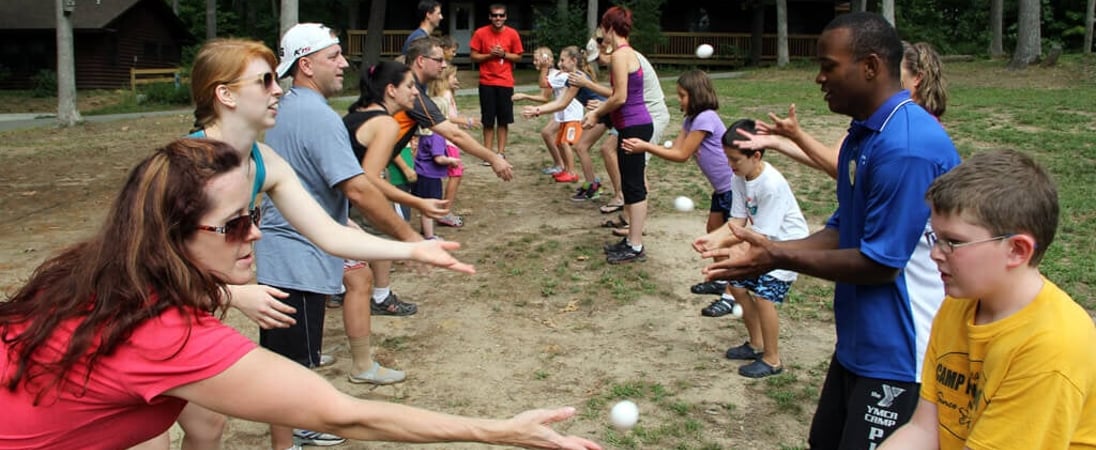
(577, 79)
(254, 388)
(684, 146)
(368, 198)
(618, 70)
(470, 145)
(380, 134)
(478, 57)
(552, 106)
(919, 433)
(824, 157)
(750, 141)
(816, 255)
(302, 211)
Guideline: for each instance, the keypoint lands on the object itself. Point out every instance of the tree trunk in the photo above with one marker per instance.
(888, 11)
(353, 12)
(858, 5)
(175, 7)
(782, 33)
(288, 18)
(67, 114)
(1028, 36)
(757, 30)
(996, 28)
(1090, 11)
(211, 19)
(591, 16)
(371, 48)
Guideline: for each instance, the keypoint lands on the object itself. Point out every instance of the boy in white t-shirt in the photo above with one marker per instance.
(763, 199)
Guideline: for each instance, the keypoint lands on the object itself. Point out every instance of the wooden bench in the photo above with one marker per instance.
(149, 76)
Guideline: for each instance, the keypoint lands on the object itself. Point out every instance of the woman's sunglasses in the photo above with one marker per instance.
(237, 229)
(266, 79)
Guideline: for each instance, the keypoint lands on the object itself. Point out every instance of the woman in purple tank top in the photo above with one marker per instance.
(630, 118)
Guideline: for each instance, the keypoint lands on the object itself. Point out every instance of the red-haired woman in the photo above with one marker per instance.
(632, 120)
(111, 338)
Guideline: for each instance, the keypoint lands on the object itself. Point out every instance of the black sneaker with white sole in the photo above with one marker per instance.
(392, 306)
(627, 255)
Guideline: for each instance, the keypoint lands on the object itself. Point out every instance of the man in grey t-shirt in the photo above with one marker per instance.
(311, 137)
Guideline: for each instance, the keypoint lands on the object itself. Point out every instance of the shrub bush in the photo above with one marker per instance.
(45, 83)
(167, 93)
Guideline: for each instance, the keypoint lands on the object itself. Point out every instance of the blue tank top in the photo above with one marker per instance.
(260, 168)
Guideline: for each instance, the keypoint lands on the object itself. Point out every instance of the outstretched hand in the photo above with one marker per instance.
(532, 429)
(436, 253)
(719, 238)
(787, 127)
(503, 169)
(742, 261)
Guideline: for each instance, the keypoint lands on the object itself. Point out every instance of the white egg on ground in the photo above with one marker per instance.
(683, 203)
(624, 415)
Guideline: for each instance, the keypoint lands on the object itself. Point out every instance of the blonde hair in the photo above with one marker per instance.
(579, 55)
(441, 84)
(220, 61)
(921, 59)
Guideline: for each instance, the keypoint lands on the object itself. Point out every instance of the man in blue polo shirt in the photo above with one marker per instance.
(873, 245)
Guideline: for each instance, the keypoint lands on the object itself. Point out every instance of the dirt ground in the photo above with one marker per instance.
(545, 322)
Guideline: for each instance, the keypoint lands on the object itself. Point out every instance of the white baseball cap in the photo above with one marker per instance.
(302, 40)
(592, 51)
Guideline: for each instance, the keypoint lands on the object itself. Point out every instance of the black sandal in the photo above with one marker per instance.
(720, 307)
(619, 222)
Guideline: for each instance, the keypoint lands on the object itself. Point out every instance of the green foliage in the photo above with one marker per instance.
(45, 83)
(646, 23)
(962, 26)
(167, 93)
(557, 29)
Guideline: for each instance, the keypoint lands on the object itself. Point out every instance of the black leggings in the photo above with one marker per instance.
(633, 166)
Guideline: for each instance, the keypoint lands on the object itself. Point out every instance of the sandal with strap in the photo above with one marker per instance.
(611, 208)
(719, 307)
(619, 222)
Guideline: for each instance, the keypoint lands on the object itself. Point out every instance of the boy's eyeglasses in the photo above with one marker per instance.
(237, 229)
(267, 79)
(948, 246)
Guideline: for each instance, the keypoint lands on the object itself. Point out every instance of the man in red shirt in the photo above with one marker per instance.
(496, 48)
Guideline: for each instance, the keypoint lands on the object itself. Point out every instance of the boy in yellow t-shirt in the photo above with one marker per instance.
(1011, 360)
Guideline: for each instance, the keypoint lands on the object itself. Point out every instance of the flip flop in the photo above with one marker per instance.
(619, 222)
(611, 208)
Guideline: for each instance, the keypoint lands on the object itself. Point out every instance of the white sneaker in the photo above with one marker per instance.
(308, 437)
(378, 375)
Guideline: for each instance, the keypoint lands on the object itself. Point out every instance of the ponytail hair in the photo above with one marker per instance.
(932, 93)
(373, 81)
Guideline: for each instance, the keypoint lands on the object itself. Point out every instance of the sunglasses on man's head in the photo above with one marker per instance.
(267, 79)
(237, 229)
(599, 39)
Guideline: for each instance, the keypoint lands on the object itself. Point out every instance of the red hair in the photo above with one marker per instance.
(618, 19)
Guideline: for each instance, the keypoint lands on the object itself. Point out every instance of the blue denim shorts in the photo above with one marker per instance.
(767, 287)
